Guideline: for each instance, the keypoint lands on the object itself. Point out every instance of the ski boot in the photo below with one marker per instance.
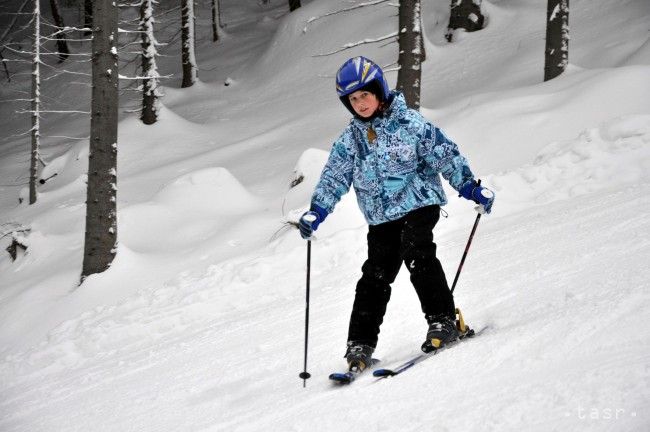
(359, 356)
(442, 330)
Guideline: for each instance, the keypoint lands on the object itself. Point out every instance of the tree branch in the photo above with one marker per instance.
(360, 5)
(356, 44)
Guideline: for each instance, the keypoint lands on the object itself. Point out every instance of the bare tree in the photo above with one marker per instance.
(5, 34)
(36, 103)
(36, 56)
(61, 43)
(556, 56)
(150, 76)
(410, 52)
(101, 209)
(293, 5)
(187, 43)
(465, 14)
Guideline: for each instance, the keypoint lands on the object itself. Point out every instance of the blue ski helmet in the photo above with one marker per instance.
(359, 72)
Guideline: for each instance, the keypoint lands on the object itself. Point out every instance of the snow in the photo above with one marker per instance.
(199, 322)
(555, 12)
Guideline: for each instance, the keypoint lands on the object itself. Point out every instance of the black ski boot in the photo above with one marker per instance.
(359, 356)
(442, 330)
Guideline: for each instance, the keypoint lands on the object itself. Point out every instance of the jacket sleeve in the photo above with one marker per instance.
(336, 178)
(441, 154)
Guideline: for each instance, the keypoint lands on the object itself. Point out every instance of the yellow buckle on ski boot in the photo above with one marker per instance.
(463, 329)
(460, 322)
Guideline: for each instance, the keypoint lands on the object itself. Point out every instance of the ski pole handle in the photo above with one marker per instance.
(310, 218)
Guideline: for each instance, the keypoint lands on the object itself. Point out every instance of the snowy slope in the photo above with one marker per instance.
(198, 325)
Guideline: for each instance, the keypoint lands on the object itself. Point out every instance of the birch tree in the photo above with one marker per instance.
(150, 76)
(556, 56)
(410, 52)
(5, 34)
(188, 55)
(36, 103)
(101, 210)
(36, 55)
(466, 15)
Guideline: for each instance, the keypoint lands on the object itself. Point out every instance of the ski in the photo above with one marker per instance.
(385, 373)
(344, 378)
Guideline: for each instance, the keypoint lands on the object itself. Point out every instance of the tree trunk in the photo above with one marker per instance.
(187, 43)
(293, 5)
(4, 63)
(410, 52)
(61, 43)
(215, 21)
(465, 14)
(556, 56)
(36, 104)
(88, 16)
(149, 68)
(101, 203)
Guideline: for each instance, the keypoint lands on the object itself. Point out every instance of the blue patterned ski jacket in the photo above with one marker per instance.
(394, 162)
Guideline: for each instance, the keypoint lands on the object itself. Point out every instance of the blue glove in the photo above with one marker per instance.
(480, 195)
(310, 220)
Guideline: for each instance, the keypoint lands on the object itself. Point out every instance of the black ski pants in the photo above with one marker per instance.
(408, 240)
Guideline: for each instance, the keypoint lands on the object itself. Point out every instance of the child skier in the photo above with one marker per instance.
(393, 157)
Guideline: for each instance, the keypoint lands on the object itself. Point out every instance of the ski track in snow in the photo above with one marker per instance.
(543, 304)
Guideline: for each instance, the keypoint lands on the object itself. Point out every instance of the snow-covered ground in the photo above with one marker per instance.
(199, 323)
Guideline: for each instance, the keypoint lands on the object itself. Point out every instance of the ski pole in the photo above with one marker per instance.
(469, 242)
(304, 375)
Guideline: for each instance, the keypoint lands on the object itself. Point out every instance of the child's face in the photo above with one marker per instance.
(364, 103)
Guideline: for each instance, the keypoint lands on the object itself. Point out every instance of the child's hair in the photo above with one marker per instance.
(375, 88)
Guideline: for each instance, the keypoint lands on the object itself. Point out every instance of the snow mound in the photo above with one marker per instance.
(307, 172)
(602, 158)
(499, 131)
(213, 190)
(305, 176)
(185, 212)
